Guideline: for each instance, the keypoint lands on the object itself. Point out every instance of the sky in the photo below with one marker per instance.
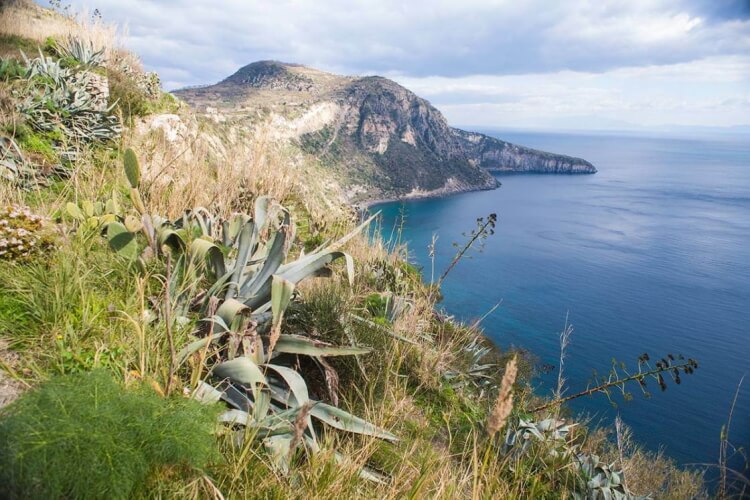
(538, 64)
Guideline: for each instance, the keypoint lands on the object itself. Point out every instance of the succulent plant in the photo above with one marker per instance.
(603, 481)
(478, 373)
(67, 101)
(597, 480)
(79, 51)
(13, 166)
(552, 433)
(235, 273)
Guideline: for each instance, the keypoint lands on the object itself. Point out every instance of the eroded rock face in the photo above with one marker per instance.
(395, 143)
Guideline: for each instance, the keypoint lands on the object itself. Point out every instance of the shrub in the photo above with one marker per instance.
(85, 436)
(127, 95)
(10, 69)
(22, 233)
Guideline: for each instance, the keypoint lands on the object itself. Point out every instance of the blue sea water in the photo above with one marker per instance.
(651, 254)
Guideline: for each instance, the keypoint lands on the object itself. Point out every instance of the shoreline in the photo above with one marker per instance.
(368, 204)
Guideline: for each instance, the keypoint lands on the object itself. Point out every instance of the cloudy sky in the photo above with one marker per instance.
(505, 63)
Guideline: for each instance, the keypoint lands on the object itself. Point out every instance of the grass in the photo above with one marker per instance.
(85, 436)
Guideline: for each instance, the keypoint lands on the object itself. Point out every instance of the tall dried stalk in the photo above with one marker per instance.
(564, 341)
(504, 402)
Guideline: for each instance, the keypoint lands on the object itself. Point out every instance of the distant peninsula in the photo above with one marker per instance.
(382, 140)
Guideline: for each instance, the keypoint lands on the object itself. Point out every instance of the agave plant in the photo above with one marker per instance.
(603, 481)
(236, 273)
(552, 433)
(13, 166)
(79, 51)
(66, 100)
(478, 372)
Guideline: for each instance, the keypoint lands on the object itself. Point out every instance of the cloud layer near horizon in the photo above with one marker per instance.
(473, 58)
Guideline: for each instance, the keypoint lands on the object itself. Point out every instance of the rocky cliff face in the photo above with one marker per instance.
(386, 140)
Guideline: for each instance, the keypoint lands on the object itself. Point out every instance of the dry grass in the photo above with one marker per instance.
(25, 18)
(646, 472)
(189, 162)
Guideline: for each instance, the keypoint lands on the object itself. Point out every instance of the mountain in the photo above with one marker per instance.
(382, 140)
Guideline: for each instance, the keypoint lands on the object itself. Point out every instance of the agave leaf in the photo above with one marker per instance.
(281, 295)
(302, 268)
(279, 449)
(230, 310)
(245, 243)
(294, 381)
(165, 235)
(205, 251)
(297, 344)
(122, 240)
(242, 370)
(236, 397)
(262, 403)
(132, 170)
(196, 346)
(256, 289)
(230, 229)
(261, 211)
(206, 393)
(345, 421)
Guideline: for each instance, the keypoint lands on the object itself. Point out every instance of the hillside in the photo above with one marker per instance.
(386, 141)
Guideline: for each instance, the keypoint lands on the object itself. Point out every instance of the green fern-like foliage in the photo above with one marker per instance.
(85, 436)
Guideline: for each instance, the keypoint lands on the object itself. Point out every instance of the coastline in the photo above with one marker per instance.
(436, 193)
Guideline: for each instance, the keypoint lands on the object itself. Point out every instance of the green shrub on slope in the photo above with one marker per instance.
(85, 436)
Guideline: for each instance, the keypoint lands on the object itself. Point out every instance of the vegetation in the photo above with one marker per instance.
(169, 273)
(85, 436)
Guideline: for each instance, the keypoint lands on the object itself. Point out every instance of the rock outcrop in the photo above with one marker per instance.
(386, 141)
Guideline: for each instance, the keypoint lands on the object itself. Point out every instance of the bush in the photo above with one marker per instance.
(85, 436)
(22, 234)
(129, 97)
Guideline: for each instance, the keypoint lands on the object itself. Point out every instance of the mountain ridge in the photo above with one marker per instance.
(384, 140)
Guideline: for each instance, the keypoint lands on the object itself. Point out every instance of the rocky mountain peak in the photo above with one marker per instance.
(270, 75)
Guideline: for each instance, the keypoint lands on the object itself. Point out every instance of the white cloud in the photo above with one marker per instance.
(712, 91)
(578, 56)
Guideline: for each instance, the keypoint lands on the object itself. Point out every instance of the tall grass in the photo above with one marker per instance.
(26, 19)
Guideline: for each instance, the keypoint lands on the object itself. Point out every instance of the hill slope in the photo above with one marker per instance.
(386, 141)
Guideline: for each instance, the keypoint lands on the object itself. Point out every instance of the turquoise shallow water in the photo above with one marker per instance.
(652, 254)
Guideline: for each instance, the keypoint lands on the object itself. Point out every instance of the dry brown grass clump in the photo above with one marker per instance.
(190, 162)
(26, 19)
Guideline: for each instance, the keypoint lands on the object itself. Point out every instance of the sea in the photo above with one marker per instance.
(649, 255)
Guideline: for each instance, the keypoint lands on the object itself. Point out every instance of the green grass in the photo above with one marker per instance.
(39, 143)
(13, 44)
(85, 436)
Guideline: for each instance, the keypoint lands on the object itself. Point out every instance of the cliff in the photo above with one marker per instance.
(383, 140)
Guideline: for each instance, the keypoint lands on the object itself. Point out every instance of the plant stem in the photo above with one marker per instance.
(604, 387)
(168, 321)
(465, 249)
